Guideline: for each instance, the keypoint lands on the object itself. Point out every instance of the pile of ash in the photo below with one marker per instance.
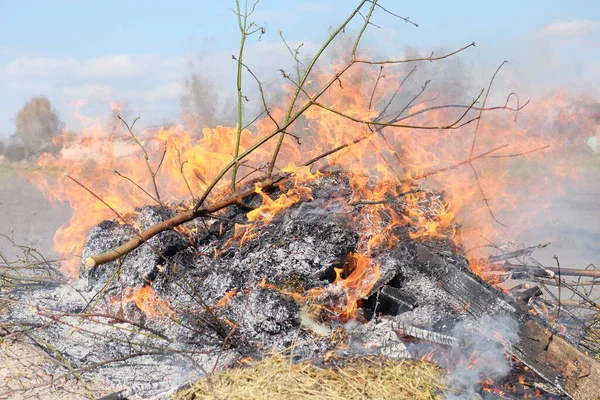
(221, 289)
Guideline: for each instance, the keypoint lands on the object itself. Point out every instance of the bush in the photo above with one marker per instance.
(36, 124)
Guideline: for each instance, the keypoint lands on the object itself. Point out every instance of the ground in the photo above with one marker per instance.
(27, 216)
(29, 219)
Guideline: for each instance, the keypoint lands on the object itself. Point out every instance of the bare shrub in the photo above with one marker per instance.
(35, 125)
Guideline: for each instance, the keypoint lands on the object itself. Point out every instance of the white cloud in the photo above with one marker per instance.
(169, 91)
(9, 51)
(88, 91)
(574, 27)
(113, 66)
(39, 66)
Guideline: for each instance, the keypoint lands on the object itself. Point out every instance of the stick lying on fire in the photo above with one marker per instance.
(344, 224)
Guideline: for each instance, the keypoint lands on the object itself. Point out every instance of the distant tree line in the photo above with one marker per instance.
(35, 126)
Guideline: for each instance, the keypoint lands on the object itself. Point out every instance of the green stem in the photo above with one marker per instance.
(242, 25)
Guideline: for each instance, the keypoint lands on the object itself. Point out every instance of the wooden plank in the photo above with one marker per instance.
(557, 361)
(578, 373)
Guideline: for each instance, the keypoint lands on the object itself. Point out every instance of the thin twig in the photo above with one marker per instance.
(487, 93)
(181, 164)
(406, 19)
(379, 76)
(137, 186)
(146, 157)
(484, 197)
(385, 201)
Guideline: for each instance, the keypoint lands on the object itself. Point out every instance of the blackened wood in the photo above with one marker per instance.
(403, 301)
(528, 294)
(576, 373)
(476, 297)
(554, 359)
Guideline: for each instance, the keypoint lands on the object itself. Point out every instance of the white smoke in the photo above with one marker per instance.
(482, 355)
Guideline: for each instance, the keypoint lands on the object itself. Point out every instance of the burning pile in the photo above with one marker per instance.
(335, 226)
(327, 275)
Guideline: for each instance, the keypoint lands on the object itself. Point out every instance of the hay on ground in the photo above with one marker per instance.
(366, 378)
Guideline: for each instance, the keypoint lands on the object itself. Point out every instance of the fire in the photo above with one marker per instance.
(226, 298)
(298, 297)
(269, 208)
(431, 221)
(146, 300)
(357, 279)
(484, 196)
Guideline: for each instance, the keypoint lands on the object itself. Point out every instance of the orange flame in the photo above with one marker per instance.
(146, 300)
(356, 279)
(380, 168)
(269, 208)
(223, 301)
(361, 274)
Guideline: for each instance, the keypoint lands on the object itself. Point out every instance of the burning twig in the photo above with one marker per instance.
(554, 270)
(221, 329)
(138, 186)
(171, 223)
(468, 161)
(384, 109)
(379, 77)
(197, 212)
(146, 157)
(483, 196)
(376, 202)
(187, 184)
(517, 253)
(118, 214)
(384, 247)
(487, 93)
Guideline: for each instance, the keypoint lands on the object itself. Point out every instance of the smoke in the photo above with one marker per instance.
(209, 93)
(198, 102)
(480, 358)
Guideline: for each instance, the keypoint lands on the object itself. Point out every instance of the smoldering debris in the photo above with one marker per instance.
(199, 299)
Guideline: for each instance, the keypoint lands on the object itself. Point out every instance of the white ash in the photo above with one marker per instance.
(377, 337)
(296, 252)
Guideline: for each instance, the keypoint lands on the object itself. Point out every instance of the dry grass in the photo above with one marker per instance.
(23, 367)
(276, 378)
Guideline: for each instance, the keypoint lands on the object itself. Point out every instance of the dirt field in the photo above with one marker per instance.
(26, 215)
(29, 219)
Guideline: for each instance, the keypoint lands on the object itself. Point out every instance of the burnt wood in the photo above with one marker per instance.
(561, 364)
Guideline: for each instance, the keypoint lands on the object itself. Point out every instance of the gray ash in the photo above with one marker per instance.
(212, 292)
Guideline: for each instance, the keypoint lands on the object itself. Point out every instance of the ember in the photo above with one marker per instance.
(145, 299)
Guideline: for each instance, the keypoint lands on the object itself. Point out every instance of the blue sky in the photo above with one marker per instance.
(141, 52)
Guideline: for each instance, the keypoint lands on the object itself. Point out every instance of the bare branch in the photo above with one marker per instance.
(146, 157)
(406, 19)
(379, 76)
(487, 93)
(138, 186)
